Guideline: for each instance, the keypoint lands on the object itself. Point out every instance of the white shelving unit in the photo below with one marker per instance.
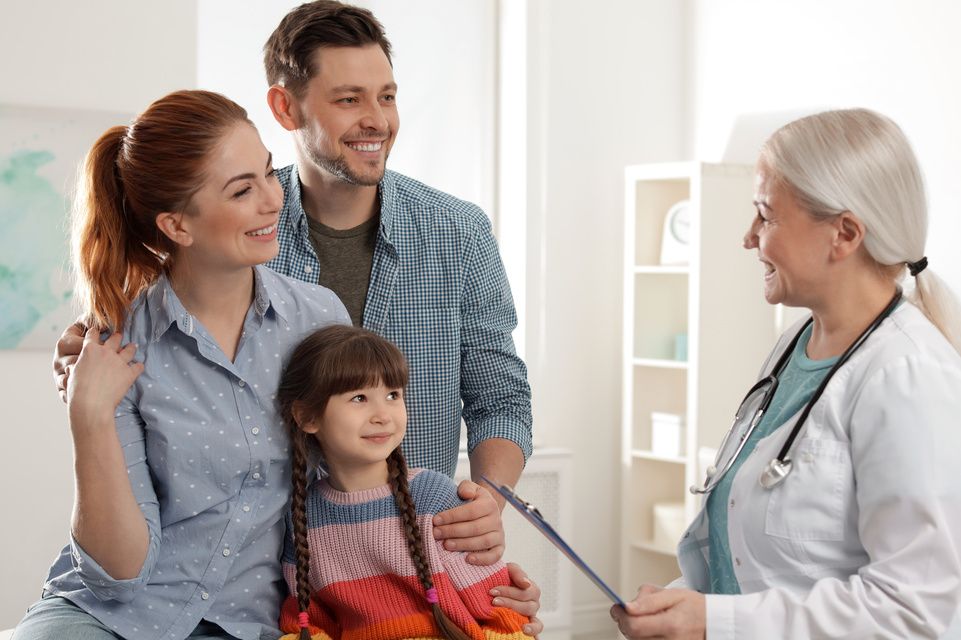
(716, 301)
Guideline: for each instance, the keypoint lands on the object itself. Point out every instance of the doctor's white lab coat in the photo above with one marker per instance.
(862, 539)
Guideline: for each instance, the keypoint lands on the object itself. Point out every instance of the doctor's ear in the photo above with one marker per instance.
(283, 104)
(849, 234)
(173, 226)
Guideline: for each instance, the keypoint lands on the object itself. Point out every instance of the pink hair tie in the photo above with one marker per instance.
(303, 619)
(432, 596)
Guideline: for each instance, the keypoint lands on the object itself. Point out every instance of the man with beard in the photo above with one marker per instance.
(411, 263)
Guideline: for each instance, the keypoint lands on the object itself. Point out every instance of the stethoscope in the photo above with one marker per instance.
(780, 467)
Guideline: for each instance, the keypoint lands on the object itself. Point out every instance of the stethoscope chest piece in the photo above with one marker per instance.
(775, 472)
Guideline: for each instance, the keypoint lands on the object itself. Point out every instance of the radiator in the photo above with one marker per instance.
(545, 483)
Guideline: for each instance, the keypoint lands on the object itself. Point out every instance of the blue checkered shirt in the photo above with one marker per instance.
(438, 290)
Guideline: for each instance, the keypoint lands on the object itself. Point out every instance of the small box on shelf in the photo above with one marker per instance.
(666, 431)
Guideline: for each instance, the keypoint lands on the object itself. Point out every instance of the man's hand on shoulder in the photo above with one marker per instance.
(474, 527)
(66, 354)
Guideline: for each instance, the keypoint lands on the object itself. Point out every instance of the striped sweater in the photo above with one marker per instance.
(363, 582)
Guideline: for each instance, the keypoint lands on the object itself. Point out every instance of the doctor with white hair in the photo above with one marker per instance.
(834, 508)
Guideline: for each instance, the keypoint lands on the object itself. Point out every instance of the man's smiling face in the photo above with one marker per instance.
(348, 113)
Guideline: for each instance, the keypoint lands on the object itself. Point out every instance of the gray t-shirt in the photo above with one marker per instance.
(345, 258)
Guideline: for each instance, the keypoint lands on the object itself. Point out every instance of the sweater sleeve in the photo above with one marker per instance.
(473, 584)
(434, 492)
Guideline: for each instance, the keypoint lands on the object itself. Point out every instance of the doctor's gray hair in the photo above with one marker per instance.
(860, 161)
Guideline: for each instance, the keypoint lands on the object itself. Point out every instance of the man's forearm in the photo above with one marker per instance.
(498, 459)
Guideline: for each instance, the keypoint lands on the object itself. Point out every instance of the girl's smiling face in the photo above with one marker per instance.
(360, 428)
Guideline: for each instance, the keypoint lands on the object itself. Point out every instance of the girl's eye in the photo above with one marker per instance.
(359, 398)
(393, 395)
(242, 192)
(272, 172)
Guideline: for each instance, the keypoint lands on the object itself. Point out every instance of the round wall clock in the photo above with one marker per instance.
(676, 238)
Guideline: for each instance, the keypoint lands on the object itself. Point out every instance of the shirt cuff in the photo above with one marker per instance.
(503, 428)
(720, 617)
(100, 583)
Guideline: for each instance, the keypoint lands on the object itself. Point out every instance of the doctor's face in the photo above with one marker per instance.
(792, 244)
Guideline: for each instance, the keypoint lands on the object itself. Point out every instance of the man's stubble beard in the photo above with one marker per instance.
(338, 166)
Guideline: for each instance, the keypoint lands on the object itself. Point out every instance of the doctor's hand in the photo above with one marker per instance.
(676, 614)
(474, 527)
(66, 354)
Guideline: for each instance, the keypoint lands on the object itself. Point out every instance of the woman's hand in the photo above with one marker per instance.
(474, 527)
(100, 378)
(676, 614)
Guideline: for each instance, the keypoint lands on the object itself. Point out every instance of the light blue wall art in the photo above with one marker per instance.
(40, 152)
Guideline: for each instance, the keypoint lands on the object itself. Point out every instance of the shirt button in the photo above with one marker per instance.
(204, 595)
(308, 269)
(732, 503)
(241, 383)
(256, 475)
(246, 508)
(226, 552)
(255, 430)
(737, 561)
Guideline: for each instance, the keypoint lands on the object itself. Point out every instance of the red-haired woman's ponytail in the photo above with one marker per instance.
(111, 265)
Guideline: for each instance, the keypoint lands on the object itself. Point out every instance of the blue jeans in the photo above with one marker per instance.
(56, 617)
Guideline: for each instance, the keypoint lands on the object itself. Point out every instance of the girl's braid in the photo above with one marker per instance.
(397, 477)
(298, 510)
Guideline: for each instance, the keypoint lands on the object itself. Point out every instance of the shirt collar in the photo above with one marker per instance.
(386, 189)
(166, 309)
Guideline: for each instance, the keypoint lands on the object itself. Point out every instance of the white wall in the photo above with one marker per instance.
(767, 62)
(112, 55)
(109, 54)
(606, 89)
(444, 56)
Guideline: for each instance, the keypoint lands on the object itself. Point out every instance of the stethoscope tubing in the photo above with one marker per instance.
(782, 460)
(782, 455)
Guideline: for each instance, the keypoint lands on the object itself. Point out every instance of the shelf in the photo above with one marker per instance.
(647, 545)
(660, 363)
(684, 352)
(650, 455)
(662, 269)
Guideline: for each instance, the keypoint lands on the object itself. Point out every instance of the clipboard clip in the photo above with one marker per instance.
(533, 515)
(507, 490)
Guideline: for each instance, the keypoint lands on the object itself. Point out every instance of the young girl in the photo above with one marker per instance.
(363, 560)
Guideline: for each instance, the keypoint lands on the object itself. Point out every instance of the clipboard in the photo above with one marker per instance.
(532, 515)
